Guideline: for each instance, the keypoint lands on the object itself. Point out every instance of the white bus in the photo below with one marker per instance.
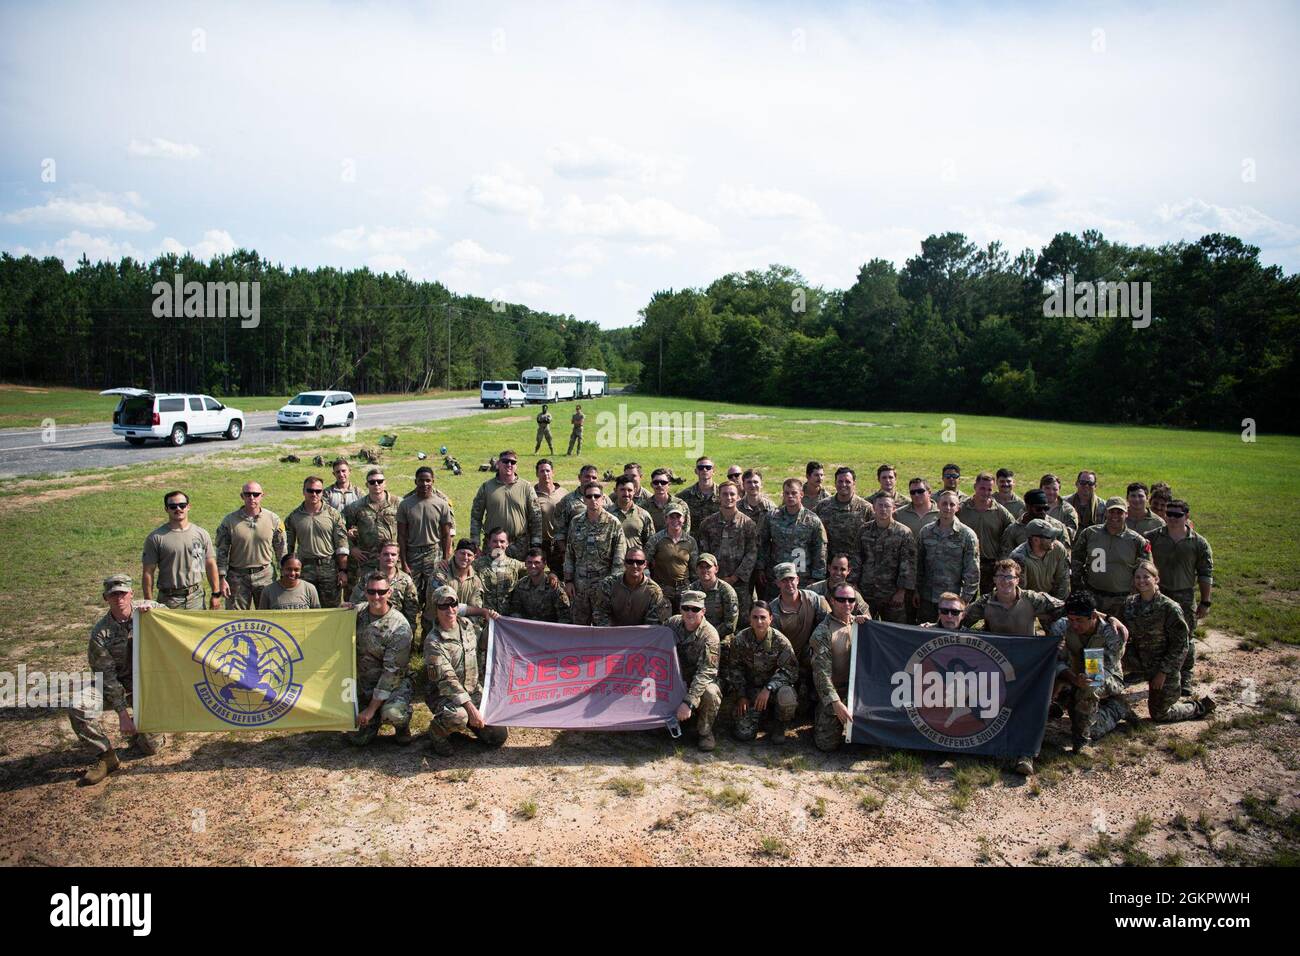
(551, 384)
(595, 383)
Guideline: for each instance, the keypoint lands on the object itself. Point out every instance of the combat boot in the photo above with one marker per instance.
(363, 735)
(1024, 766)
(149, 744)
(402, 737)
(106, 764)
(707, 740)
(778, 735)
(441, 745)
(1082, 746)
(1205, 706)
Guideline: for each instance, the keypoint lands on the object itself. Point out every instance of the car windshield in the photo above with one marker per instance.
(306, 399)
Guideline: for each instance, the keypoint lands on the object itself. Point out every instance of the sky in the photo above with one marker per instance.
(579, 157)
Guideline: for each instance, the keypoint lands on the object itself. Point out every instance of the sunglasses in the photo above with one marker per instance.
(1175, 514)
(313, 491)
(592, 497)
(659, 481)
(374, 481)
(377, 591)
(250, 494)
(1085, 482)
(949, 611)
(634, 561)
(691, 610)
(509, 461)
(446, 604)
(178, 506)
(844, 600)
(916, 491)
(703, 467)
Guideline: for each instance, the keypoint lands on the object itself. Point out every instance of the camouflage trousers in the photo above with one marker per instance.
(781, 707)
(881, 610)
(246, 587)
(182, 599)
(395, 710)
(1091, 717)
(1167, 705)
(1110, 604)
(575, 437)
(544, 435)
(450, 718)
(582, 601)
(828, 732)
(707, 713)
(423, 560)
(85, 715)
(1186, 598)
(324, 574)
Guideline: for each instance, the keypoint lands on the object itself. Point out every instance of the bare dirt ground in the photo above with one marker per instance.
(1223, 791)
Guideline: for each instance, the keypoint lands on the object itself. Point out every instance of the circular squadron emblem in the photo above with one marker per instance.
(953, 688)
(248, 672)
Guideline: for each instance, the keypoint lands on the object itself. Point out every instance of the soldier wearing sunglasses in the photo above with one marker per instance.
(176, 557)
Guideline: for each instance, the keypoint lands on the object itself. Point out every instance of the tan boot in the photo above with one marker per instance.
(100, 771)
(707, 741)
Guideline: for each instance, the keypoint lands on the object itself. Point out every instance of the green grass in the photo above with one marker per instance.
(24, 407)
(528, 809)
(626, 786)
(89, 527)
(729, 797)
(773, 847)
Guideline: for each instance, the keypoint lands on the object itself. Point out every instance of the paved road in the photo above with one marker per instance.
(22, 452)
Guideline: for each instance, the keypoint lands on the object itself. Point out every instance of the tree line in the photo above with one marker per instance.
(97, 326)
(967, 328)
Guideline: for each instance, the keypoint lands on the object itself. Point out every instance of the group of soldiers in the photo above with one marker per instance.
(761, 596)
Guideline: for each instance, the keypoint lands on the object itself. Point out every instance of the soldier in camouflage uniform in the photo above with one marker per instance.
(109, 654)
(575, 436)
(989, 520)
(758, 508)
(594, 551)
(250, 544)
(1185, 561)
(371, 521)
(452, 660)
(844, 516)
(792, 535)
(425, 529)
(1157, 645)
(498, 571)
(732, 538)
(656, 506)
(635, 521)
(887, 476)
(947, 559)
(630, 598)
(1044, 562)
(538, 596)
(831, 645)
(383, 653)
(544, 431)
(887, 557)
(721, 607)
(796, 612)
(702, 497)
(402, 593)
(1033, 508)
(698, 654)
(1105, 558)
(1094, 711)
(813, 491)
(672, 554)
(837, 573)
(570, 506)
(315, 532)
(762, 669)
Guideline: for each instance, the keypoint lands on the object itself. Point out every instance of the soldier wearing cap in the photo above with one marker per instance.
(698, 653)
(1105, 557)
(1033, 508)
(110, 659)
(1044, 561)
(672, 554)
(1186, 562)
(383, 641)
(721, 606)
(796, 613)
(762, 670)
(250, 543)
(629, 598)
(455, 687)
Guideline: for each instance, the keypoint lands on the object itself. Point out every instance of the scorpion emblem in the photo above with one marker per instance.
(249, 669)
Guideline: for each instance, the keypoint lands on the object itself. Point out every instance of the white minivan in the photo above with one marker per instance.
(172, 417)
(501, 394)
(318, 409)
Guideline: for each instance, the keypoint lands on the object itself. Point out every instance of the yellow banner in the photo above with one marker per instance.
(244, 670)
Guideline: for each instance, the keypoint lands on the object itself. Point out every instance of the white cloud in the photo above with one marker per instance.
(390, 262)
(159, 148)
(505, 191)
(600, 158)
(755, 203)
(434, 200)
(582, 260)
(215, 242)
(1195, 218)
(617, 218)
(659, 250)
(467, 252)
(383, 239)
(87, 214)
(72, 246)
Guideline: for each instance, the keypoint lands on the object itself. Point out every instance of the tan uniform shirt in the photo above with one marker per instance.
(320, 535)
(244, 542)
(181, 556)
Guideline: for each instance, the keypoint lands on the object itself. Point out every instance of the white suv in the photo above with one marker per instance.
(171, 417)
(318, 409)
(502, 394)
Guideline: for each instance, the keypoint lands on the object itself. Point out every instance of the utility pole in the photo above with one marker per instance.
(449, 346)
(661, 365)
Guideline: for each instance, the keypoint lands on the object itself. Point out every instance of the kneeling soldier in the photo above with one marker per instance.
(455, 689)
(110, 657)
(761, 666)
(1158, 637)
(383, 650)
(698, 650)
(1096, 706)
(831, 645)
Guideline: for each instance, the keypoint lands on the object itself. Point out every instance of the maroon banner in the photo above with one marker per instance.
(564, 676)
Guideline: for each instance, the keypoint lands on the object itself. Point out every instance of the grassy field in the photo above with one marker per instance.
(22, 406)
(75, 529)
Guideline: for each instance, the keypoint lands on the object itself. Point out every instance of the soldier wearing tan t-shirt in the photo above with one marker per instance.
(176, 556)
(250, 543)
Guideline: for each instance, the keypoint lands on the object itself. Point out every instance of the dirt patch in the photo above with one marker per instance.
(508, 420)
(728, 418)
(25, 389)
(839, 421)
(643, 799)
(738, 437)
